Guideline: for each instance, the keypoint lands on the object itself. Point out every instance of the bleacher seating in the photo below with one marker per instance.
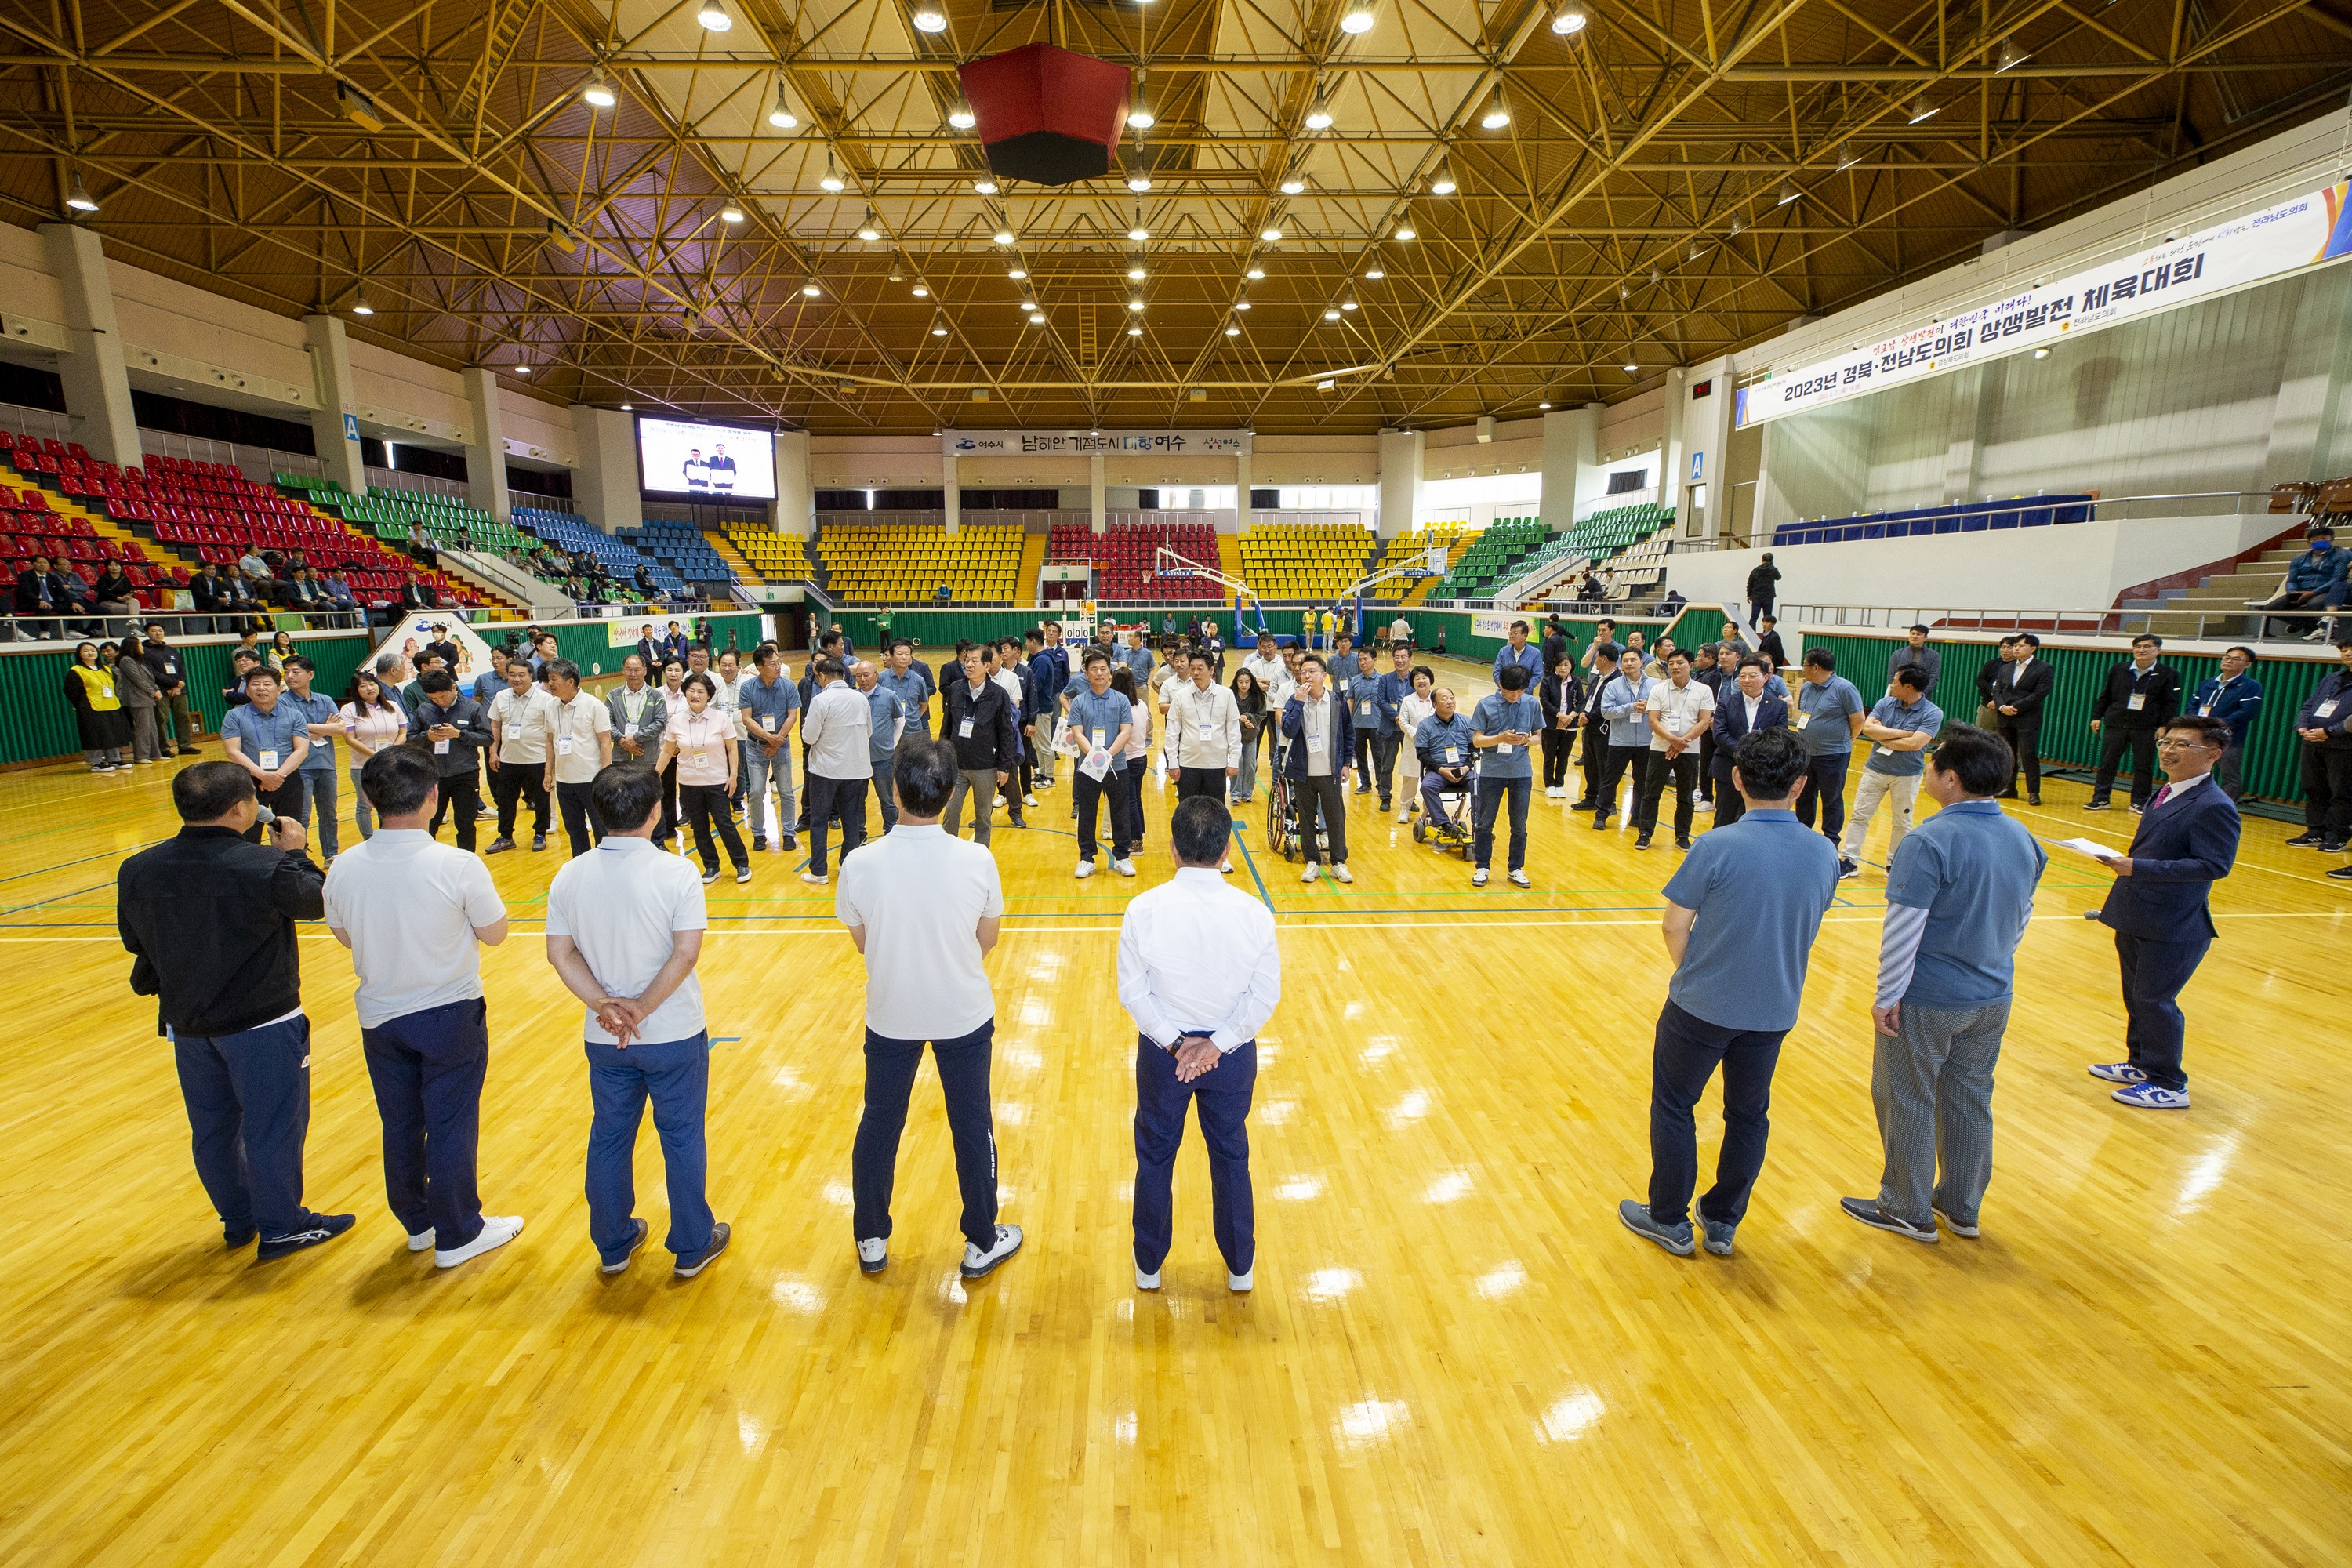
(1411, 549)
(1966, 517)
(398, 516)
(214, 512)
(776, 557)
(680, 551)
(29, 527)
(621, 555)
(1309, 561)
(871, 563)
(1495, 556)
(1600, 539)
(1124, 559)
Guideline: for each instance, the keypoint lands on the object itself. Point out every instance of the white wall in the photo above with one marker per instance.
(2077, 566)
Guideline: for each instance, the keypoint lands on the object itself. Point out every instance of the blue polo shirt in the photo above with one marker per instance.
(1826, 732)
(1920, 715)
(909, 688)
(1107, 713)
(1973, 868)
(768, 707)
(317, 708)
(1759, 889)
(2235, 703)
(888, 710)
(258, 733)
(1492, 717)
(1528, 658)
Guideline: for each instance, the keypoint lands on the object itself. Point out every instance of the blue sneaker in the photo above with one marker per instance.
(2148, 1096)
(1674, 1239)
(1717, 1235)
(319, 1227)
(2117, 1072)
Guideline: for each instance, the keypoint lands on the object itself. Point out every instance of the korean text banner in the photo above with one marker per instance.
(2301, 232)
(1087, 443)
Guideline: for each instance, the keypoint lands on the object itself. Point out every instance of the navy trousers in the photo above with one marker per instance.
(1825, 790)
(427, 1068)
(1223, 1096)
(963, 1081)
(1687, 1051)
(885, 791)
(248, 1099)
(825, 797)
(675, 1076)
(1492, 794)
(2154, 972)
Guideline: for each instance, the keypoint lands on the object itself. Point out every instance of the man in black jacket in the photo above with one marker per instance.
(2140, 698)
(172, 680)
(452, 726)
(976, 719)
(2018, 693)
(1762, 579)
(1989, 716)
(208, 916)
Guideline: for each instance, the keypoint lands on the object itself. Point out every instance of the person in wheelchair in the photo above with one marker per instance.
(1442, 742)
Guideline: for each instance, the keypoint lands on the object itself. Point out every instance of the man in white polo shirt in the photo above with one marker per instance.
(924, 909)
(581, 746)
(412, 912)
(624, 928)
(521, 718)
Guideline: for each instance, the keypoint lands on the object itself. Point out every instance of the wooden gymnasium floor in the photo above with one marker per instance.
(1454, 1352)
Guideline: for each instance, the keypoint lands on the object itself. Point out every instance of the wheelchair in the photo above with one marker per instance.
(1461, 802)
(1281, 807)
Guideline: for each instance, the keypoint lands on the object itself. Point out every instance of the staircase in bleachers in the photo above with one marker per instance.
(1627, 539)
(398, 517)
(1125, 554)
(1966, 517)
(775, 557)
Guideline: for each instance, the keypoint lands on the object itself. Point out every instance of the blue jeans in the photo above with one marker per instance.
(886, 793)
(1687, 1050)
(427, 1068)
(1223, 1096)
(248, 1099)
(319, 792)
(361, 812)
(1492, 792)
(759, 767)
(890, 1067)
(676, 1074)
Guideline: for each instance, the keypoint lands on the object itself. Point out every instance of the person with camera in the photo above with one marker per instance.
(208, 918)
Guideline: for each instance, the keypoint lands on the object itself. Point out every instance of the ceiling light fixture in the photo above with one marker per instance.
(962, 117)
(1406, 233)
(1139, 233)
(628, 407)
(1233, 331)
(1037, 318)
(1373, 274)
(713, 17)
(870, 231)
(1255, 273)
(1017, 274)
(1498, 113)
(1736, 227)
(598, 92)
(730, 213)
(1270, 236)
(1543, 405)
(922, 291)
(1346, 304)
(1240, 304)
(832, 181)
(1655, 279)
(984, 187)
(1357, 20)
(1331, 313)
(939, 329)
(1135, 274)
(2040, 354)
(1789, 193)
(2011, 56)
(782, 116)
(359, 307)
(810, 290)
(1442, 185)
(1923, 110)
(1002, 237)
(1692, 254)
(1623, 293)
(522, 370)
(1135, 304)
(930, 19)
(79, 199)
(1324, 385)
(1319, 114)
(1292, 186)
(1567, 22)
(1138, 117)
(1632, 367)
(1139, 181)
(1135, 331)
(1847, 157)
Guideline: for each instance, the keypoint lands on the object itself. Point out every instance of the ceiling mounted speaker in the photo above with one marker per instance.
(1047, 115)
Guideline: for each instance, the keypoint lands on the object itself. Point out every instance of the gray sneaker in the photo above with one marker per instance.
(1716, 1234)
(1674, 1239)
(1957, 1227)
(1867, 1211)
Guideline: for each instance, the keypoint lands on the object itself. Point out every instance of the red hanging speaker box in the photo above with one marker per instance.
(1046, 115)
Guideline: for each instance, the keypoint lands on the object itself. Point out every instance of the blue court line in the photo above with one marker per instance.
(1250, 860)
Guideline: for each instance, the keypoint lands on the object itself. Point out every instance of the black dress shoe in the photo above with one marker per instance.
(238, 1236)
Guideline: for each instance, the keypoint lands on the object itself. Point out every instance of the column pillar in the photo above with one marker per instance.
(604, 487)
(1972, 393)
(1241, 492)
(1401, 454)
(334, 430)
(486, 451)
(1097, 516)
(1707, 442)
(1572, 441)
(1670, 466)
(954, 497)
(794, 511)
(97, 378)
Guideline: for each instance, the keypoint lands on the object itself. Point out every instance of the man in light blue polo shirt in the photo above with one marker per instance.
(768, 704)
(882, 750)
(1741, 915)
(910, 682)
(1517, 651)
(1959, 892)
(1624, 701)
(269, 737)
(1827, 714)
(1504, 725)
(1898, 729)
(323, 721)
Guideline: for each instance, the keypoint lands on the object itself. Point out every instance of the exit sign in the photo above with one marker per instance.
(1701, 390)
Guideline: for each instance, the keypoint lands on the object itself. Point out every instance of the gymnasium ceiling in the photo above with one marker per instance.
(1629, 213)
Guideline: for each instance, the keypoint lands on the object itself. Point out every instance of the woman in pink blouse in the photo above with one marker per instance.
(700, 738)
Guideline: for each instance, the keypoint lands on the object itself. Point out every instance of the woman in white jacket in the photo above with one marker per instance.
(1416, 707)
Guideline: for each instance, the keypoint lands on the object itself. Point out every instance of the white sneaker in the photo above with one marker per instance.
(977, 1263)
(1226, 866)
(1146, 1281)
(1478, 877)
(1312, 871)
(497, 1231)
(1124, 868)
(1341, 872)
(874, 1255)
(1028, 800)
(814, 878)
(1241, 1283)
(1405, 815)
(422, 1241)
(1708, 806)
(1086, 869)
(1520, 880)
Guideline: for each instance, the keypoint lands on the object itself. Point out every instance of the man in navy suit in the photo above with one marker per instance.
(1740, 713)
(2186, 841)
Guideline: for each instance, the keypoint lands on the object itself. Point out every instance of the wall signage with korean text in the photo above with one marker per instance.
(2301, 232)
(1085, 443)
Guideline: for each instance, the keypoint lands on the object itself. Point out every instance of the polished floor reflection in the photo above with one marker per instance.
(1454, 1353)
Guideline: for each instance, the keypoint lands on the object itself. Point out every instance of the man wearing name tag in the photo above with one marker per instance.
(456, 731)
(2139, 699)
(583, 733)
(1315, 721)
(1204, 726)
(770, 705)
(1505, 725)
(2327, 761)
(2234, 698)
(521, 720)
(268, 738)
(640, 713)
(1682, 710)
(1745, 708)
(1443, 744)
(1828, 714)
(1898, 729)
(1104, 721)
(976, 719)
(2018, 694)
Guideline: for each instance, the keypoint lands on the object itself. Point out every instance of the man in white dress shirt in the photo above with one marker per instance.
(1199, 972)
(838, 734)
(1204, 735)
(924, 907)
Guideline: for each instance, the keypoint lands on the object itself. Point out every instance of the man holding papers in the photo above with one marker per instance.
(2186, 841)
